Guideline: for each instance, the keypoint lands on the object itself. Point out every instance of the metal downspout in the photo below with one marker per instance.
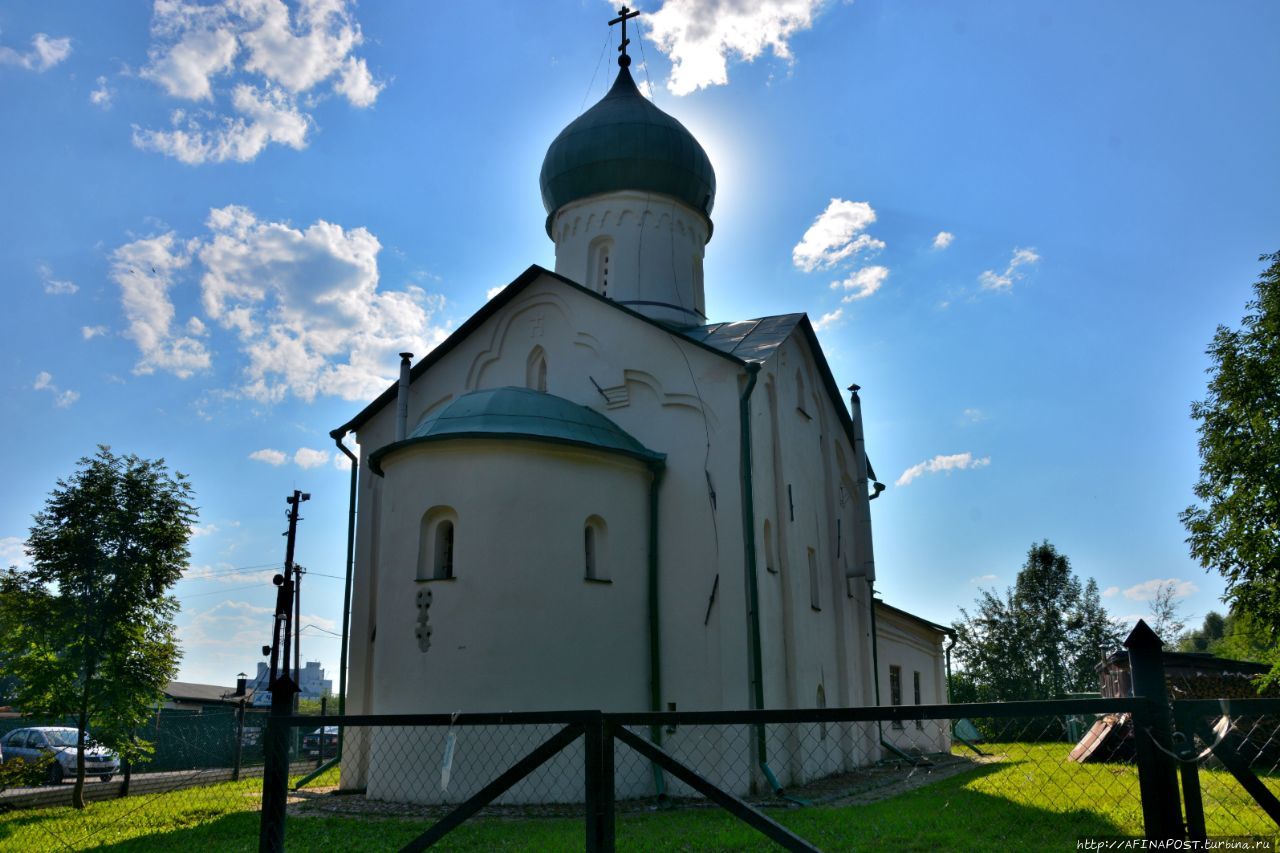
(655, 644)
(875, 666)
(346, 593)
(753, 592)
(346, 617)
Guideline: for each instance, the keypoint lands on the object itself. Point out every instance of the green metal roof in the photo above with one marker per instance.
(521, 413)
(624, 142)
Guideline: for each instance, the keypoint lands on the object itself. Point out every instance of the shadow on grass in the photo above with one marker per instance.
(984, 809)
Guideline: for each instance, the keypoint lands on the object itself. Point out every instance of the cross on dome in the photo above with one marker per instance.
(623, 15)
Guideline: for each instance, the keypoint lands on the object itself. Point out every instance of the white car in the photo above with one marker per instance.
(60, 741)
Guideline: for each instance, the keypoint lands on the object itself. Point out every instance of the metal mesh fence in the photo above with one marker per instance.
(838, 778)
(191, 778)
(1230, 754)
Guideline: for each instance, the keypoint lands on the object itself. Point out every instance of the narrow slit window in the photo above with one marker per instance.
(444, 550)
(770, 563)
(815, 598)
(536, 370)
(916, 679)
(895, 690)
(600, 264)
(594, 549)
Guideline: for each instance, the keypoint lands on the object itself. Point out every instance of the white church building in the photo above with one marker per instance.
(592, 496)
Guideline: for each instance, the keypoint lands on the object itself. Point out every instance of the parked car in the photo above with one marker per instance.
(311, 744)
(59, 742)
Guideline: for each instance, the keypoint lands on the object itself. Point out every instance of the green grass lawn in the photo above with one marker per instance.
(1031, 799)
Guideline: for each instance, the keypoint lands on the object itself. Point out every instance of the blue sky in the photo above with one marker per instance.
(223, 220)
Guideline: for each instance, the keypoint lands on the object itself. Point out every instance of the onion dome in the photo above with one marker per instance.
(521, 413)
(624, 142)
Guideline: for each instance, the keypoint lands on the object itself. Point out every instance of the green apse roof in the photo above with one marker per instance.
(521, 413)
(626, 143)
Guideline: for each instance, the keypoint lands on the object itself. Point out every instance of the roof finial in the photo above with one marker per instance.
(623, 14)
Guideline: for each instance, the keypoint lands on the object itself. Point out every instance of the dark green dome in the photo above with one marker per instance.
(521, 413)
(626, 143)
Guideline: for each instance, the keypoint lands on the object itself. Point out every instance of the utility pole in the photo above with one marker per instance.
(275, 775)
(298, 572)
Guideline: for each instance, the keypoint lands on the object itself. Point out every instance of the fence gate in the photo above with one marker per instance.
(1229, 758)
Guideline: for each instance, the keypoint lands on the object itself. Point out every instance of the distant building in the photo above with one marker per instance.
(311, 682)
(186, 696)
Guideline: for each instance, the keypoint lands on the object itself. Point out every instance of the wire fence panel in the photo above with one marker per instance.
(1015, 774)
(191, 778)
(1237, 761)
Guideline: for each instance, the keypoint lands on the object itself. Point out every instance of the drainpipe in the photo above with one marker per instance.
(865, 565)
(655, 645)
(946, 650)
(346, 613)
(753, 592)
(402, 398)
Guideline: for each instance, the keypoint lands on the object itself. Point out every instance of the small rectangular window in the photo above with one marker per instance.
(815, 598)
(895, 690)
(916, 679)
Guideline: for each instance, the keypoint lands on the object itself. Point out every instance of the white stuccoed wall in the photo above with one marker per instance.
(658, 248)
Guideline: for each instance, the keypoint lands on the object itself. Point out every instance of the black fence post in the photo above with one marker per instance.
(1153, 736)
(239, 748)
(275, 768)
(598, 754)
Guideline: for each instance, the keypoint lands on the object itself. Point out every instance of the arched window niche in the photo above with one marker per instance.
(600, 264)
(535, 375)
(437, 533)
(595, 549)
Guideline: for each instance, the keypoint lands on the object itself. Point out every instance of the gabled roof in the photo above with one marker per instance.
(185, 691)
(748, 340)
(919, 620)
(745, 342)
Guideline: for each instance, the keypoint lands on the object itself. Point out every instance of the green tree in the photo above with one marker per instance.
(1039, 640)
(88, 629)
(1206, 637)
(1233, 527)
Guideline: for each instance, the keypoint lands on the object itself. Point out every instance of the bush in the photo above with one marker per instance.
(20, 773)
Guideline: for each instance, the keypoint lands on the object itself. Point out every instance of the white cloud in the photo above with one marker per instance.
(91, 332)
(274, 59)
(13, 551)
(954, 462)
(494, 291)
(198, 530)
(101, 94)
(61, 398)
(304, 306)
(269, 456)
(53, 286)
(943, 240)
(357, 84)
(836, 234)
(862, 283)
(974, 416)
(265, 116)
(341, 462)
(45, 53)
(698, 36)
(228, 574)
(1147, 590)
(305, 457)
(981, 579)
(991, 280)
(302, 301)
(828, 320)
(1111, 592)
(233, 626)
(145, 269)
